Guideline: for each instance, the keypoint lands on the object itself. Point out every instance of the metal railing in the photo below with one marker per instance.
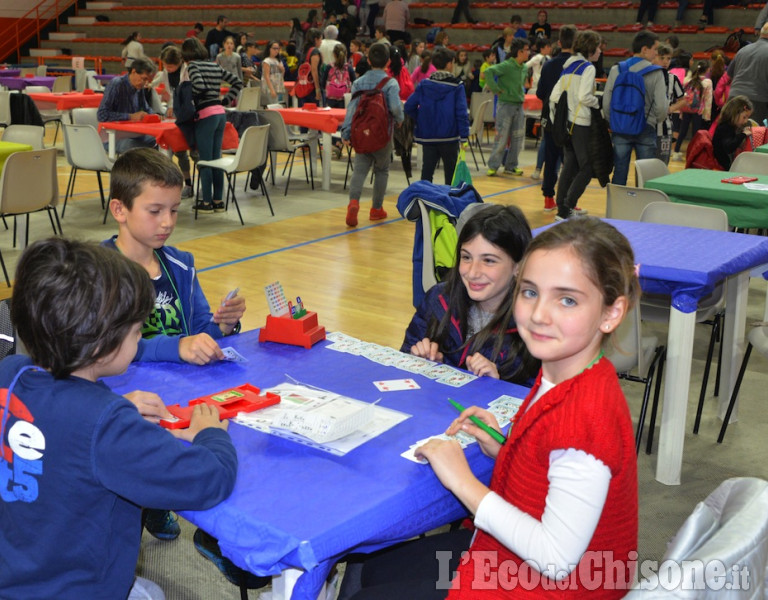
(30, 26)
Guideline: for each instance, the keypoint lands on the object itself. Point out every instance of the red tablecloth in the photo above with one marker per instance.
(531, 103)
(168, 135)
(323, 119)
(68, 100)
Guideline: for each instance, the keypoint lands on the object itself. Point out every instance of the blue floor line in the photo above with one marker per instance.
(294, 246)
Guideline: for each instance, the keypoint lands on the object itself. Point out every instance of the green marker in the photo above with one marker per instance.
(489, 430)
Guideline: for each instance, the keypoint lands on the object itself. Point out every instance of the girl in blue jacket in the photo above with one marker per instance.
(466, 321)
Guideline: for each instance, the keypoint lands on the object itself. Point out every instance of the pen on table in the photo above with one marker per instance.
(499, 437)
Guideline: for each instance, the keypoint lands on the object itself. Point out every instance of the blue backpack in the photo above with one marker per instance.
(627, 108)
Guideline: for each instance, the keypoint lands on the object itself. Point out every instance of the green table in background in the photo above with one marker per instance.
(8, 148)
(745, 208)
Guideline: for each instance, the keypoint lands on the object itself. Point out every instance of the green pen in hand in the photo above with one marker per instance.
(489, 430)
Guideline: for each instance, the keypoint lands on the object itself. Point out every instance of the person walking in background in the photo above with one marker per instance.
(462, 7)
(396, 20)
(132, 49)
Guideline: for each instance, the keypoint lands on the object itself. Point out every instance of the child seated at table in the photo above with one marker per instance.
(559, 518)
(80, 461)
(732, 130)
(466, 321)
(145, 191)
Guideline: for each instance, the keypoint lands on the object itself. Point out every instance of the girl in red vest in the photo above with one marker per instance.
(559, 519)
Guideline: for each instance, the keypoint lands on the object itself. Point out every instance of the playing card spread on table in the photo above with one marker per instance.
(233, 355)
(396, 385)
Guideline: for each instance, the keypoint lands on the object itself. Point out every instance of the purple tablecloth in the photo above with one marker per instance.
(19, 83)
(297, 507)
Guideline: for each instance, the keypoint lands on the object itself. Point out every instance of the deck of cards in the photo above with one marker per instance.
(390, 357)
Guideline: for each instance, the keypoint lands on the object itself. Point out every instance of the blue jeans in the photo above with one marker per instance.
(644, 145)
(553, 156)
(209, 133)
(510, 129)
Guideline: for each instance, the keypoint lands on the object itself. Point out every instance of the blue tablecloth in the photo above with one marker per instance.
(686, 262)
(297, 507)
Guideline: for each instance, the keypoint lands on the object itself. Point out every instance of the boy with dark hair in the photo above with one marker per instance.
(73, 447)
(655, 108)
(378, 57)
(438, 106)
(145, 193)
(506, 81)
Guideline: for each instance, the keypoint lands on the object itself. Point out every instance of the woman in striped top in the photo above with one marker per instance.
(206, 78)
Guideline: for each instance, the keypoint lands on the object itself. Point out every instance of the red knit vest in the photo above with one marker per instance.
(589, 413)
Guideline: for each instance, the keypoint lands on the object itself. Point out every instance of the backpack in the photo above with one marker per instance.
(432, 34)
(627, 110)
(305, 85)
(559, 127)
(183, 103)
(338, 83)
(371, 123)
(692, 99)
(735, 42)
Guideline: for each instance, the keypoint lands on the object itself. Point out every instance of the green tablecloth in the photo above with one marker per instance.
(8, 148)
(745, 208)
(763, 149)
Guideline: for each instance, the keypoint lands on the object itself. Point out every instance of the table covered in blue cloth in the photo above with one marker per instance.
(296, 507)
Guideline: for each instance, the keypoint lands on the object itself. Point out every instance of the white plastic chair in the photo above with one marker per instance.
(25, 134)
(86, 116)
(279, 141)
(29, 184)
(84, 150)
(476, 131)
(751, 163)
(249, 99)
(725, 537)
(5, 108)
(62, 83)
(627, 203)
(649, 168)
(251, 154)
(656, 307)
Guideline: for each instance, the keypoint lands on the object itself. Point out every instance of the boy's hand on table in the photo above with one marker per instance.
(428, 349)
(150, 405)
(203, 417)
(479, 365)
(229, 313)
(199, 349)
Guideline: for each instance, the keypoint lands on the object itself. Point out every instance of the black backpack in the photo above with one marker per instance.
(558, 128)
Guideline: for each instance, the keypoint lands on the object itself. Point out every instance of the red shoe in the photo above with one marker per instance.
(549, 204)
(352, 209)
(378, 214)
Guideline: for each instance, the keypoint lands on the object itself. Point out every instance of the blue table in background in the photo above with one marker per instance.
(296, 510)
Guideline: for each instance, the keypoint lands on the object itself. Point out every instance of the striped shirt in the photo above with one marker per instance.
(206, 78)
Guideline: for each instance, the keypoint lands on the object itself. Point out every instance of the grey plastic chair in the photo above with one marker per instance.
(25, 134)
(84, 150)
(279, 141)
(627, 203)
(649, 168)
(751, 163)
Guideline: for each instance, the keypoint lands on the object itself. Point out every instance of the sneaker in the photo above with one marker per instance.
(536, 174)
(186, 191)
(491, 172)
(378, 214)
(515, 171)
(579, 212)
(162, 524)
(205, 208)
(549, 204)
(352, 209)
(208, 546)
(219, 206)
(677, 156)
(559, 218)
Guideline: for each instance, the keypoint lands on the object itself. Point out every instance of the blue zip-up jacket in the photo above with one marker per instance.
(79, 465)
(434, 306)
(197, 311)
(439, 109)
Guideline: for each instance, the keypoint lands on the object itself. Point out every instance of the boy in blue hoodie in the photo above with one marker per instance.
(78, 460)
(438, 106)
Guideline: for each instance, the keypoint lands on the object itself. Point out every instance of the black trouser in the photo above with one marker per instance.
(462, 6)
(552, 154)
(576, 172)
(448, 152)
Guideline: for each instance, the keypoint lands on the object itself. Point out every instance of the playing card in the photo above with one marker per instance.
(394, 385)
(233, 355)
(457, 378)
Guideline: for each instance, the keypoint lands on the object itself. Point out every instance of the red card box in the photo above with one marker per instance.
(243, 398)
(739, 179)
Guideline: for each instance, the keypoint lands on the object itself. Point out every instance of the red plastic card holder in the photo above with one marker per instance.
(739, 179)
(244, 398)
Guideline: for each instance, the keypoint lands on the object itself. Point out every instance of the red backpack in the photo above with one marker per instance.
(305, 85)
(371, 123)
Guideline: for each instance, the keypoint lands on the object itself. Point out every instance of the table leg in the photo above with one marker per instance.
(327, 155)
(677, 371)
(736, 291)
(283, 584)
(111, 134)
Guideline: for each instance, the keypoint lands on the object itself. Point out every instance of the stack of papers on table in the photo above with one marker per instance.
(321, 419)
